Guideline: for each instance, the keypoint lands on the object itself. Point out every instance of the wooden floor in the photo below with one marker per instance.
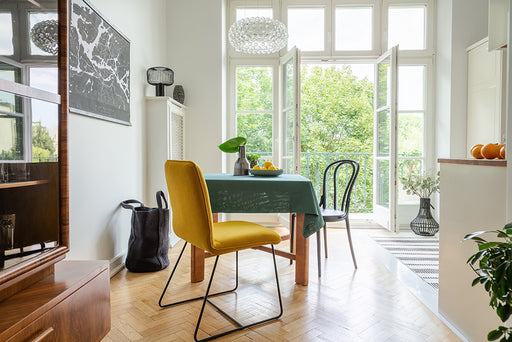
(369, 304)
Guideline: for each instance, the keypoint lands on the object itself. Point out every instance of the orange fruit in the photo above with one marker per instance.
(475, 146)
(490, 151)
(267, 165)
(476, 151)
(502, 153)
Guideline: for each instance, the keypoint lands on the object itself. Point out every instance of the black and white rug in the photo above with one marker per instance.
(420, 254)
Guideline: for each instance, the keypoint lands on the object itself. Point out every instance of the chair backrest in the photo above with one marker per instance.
(190, 203)
(352, 170)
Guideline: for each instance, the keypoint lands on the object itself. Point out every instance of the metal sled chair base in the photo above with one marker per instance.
(206, 297)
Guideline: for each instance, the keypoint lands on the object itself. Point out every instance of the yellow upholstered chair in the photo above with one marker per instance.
(192, 221)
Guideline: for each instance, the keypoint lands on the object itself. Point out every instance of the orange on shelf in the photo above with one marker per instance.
(476, 151)
(490, 151)
(502, 153)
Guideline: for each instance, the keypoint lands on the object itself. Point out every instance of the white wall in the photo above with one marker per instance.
(107, 159)
(460, 23)
(197, 56)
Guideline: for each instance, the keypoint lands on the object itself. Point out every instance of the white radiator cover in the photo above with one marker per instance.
(165, 132)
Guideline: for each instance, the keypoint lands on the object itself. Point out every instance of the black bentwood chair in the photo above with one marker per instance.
(333, 213)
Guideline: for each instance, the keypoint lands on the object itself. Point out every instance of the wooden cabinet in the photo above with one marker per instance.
(41, 297)
(497, 24)
(486, 95)
(166, 140)
(73, 304)
(472, 198)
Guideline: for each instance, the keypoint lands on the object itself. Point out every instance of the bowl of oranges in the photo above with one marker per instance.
(268, 170)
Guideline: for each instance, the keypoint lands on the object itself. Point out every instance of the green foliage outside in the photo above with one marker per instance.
(254, 93)
(43, 145)
(336, 123)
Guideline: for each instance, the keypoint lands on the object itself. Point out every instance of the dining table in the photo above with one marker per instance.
(286, 193)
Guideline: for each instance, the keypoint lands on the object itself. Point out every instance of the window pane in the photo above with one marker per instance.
(254, 88)
(35, 18)
(11, 138)
(253, 12)
(288, 84)
(9, 102)
(406, 27)
(44, 116)
(383, 181)
(405, 166)
(306, 28)
(410, 134)
(353, 28)
(257, 128)
(383, 132)
(383, 83)
(411, 87)
(6, 47)
(44, 78)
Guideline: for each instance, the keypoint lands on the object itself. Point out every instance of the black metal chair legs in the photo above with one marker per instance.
(350, 242)
(206, 297)
(318, 248)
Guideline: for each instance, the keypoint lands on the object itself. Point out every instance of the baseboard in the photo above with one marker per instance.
(117, 264)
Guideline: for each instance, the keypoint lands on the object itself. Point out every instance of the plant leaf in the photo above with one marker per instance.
(494, 335)
(503, 312)
(487, 245)
(469, 236)
(231, 145)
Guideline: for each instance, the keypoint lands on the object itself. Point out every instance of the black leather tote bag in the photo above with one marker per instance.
(149, 239)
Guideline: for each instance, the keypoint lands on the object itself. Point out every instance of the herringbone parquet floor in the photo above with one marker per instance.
(367, 305)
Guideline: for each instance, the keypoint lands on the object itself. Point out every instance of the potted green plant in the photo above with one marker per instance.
(234, 145)
(423, 186)
(253, 159)
(494, 271)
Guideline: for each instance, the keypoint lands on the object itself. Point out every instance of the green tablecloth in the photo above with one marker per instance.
(248, 194)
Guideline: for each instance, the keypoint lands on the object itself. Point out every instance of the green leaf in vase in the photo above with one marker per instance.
(231, 145)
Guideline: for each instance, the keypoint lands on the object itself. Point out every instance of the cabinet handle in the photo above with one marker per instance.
(43, 335)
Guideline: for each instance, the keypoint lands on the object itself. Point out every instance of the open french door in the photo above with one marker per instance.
(289, 112)
(385, 140)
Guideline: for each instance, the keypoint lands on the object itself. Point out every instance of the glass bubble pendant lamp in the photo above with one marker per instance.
(258, 35)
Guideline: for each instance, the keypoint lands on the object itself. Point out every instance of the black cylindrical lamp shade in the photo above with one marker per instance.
(160, 77)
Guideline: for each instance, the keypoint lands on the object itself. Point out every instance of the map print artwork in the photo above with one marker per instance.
(99, 66)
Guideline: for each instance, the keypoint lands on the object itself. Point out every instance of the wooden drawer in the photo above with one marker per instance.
(83, 316)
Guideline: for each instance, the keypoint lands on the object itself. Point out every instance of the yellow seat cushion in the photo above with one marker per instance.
(232, 236)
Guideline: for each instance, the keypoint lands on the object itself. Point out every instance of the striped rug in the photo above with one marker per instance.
(420, 254)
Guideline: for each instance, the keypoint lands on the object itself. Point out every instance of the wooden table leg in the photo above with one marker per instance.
(196, 264)
(197, 260)
(301, 252)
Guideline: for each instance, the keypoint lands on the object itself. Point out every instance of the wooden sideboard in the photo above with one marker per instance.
(72, 304)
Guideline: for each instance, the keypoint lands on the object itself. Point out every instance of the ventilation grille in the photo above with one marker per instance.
(177, 141)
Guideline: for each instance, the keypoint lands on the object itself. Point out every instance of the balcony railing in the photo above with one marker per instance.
(313, 166)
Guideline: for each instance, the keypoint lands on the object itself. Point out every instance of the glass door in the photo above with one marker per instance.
(289, 112)
(385, 140)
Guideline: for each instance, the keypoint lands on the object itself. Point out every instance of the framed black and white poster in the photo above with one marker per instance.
(99, 66)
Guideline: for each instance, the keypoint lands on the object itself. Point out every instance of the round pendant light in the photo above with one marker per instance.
(44, 35)
(258, 35)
